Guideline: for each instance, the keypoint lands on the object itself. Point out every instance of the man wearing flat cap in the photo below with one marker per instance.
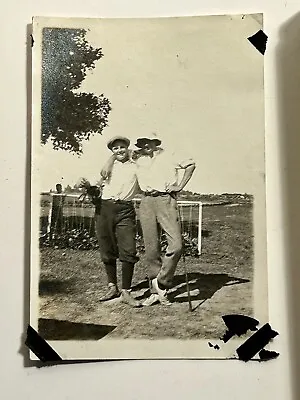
(116, 221)
(157, 174)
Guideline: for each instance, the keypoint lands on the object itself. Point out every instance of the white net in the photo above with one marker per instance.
(65, 221)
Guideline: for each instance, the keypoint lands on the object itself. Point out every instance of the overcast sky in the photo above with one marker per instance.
(196, 82)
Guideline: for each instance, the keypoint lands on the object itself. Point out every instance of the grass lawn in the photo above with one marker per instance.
(221, 281)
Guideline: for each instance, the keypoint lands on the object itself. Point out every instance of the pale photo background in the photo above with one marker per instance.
(192, 82)
(176, 379)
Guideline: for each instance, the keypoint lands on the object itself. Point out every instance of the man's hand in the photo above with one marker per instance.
(104, 173)
(135, 154)
(173, 188)
(100, 182)
(84, 183)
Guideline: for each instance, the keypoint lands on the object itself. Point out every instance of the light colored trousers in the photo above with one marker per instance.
(155, 213)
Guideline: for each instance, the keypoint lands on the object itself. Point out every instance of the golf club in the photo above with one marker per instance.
(184, 264)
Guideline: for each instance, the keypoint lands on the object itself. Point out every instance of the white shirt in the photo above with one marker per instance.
(122, 185)
(159, 171)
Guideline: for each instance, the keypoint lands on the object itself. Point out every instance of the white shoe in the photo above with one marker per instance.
(162, 294)
(154, 298)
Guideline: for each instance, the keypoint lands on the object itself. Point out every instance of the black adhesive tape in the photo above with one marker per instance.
(238, 325)
(266, 355)
(259, 41)
(40, 347)
(256, 342)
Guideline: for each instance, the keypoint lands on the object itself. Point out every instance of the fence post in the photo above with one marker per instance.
(200, 229)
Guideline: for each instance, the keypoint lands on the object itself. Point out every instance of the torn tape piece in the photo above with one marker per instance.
(40, 347)
(215, 346)
(238, 325)
(256, 342)
(266, 355)
(259, 41)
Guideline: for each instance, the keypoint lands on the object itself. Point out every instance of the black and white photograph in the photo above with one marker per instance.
(148, 215)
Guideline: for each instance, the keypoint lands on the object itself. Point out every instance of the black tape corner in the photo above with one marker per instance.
(256, 343)
(259, 41)
(40, 347)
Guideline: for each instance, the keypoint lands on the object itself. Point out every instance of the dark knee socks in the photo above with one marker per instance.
(111, 272)
(127, 273)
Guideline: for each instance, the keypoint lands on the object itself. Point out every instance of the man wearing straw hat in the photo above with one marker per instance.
(157, 174)
(116, 220)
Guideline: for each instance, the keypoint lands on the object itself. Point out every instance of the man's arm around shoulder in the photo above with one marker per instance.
(189, 167)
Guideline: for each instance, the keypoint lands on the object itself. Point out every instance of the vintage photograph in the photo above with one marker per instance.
(148, 216)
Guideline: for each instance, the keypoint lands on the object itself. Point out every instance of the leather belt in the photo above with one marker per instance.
(117, 201)
(156, 194)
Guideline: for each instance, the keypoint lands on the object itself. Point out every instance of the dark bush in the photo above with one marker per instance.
(83, 240)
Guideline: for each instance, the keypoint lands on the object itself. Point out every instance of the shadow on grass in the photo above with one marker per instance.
(206, 286)
(52, 329)
(53, 286)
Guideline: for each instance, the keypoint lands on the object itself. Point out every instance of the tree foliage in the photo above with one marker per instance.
(69, 117)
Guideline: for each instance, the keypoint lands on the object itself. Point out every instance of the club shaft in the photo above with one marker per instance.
(184, 264)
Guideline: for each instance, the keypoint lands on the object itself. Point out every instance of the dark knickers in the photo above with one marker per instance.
(116, 231)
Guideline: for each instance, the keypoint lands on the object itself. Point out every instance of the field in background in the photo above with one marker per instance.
(221, 280)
